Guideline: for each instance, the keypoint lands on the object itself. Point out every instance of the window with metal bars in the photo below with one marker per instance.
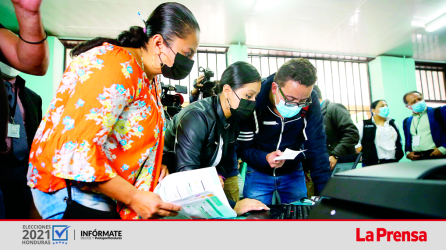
(430, 80)
(342, 79)
(212, 57)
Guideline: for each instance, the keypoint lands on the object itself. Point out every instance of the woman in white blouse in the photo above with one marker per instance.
(379, 138)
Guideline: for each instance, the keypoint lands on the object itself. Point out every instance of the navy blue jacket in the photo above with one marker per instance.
(438, 134)
(296, 133)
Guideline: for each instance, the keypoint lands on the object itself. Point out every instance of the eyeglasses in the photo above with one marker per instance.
(307, 102)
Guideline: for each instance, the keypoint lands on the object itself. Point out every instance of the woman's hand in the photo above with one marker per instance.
(149, 205)
(164, 172)
(246, 205)
(222, 182)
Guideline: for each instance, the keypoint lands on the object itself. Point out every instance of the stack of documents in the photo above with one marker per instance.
(198, 192)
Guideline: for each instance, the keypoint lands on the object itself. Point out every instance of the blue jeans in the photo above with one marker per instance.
(259, 186)
(53, 205)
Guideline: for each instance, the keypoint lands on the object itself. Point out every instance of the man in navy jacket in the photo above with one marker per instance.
(287, 116)
(425, 130)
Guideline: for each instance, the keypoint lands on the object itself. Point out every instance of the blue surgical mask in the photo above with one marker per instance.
(287, 112)
(384, 112)
(419, 106)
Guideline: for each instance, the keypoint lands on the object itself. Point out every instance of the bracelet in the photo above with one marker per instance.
(222, 177)
(46, 36)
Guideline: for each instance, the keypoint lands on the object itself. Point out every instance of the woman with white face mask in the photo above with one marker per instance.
(379, 138)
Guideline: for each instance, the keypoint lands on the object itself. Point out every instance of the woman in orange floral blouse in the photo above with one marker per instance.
(104, 130)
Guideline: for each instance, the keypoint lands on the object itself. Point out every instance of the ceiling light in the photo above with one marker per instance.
(436, 23)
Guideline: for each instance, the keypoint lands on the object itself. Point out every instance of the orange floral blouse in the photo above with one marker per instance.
(105, 120)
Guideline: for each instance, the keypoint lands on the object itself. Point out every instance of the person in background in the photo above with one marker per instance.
(26, 109)
(102, 136)
(379, 138)
(207, 89)
(203, 134)
(289, 117)
(342, 134)
(425, 130)
(27, 52)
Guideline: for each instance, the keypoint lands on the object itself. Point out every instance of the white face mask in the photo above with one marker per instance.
(8, 72)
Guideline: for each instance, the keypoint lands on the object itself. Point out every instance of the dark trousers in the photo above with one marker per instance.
(16, 194)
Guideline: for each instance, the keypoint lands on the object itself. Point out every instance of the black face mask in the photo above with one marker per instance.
(180, 69)
(244, 110)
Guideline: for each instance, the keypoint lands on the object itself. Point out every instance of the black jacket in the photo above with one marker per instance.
(304, 131)
(192, 138)
(342, 134)
(32, 104)
(369, 152)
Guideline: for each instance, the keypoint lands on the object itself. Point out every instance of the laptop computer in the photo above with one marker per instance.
(345, 163)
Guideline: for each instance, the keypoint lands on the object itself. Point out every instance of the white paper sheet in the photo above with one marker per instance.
(288, 154)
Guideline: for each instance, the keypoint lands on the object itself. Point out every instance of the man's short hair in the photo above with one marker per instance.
(318, 91)
(409, 93)
(300, 70)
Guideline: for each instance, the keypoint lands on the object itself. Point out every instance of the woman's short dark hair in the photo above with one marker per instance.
(237, 75)
(170, 20)
(300, 70)
(374, 104)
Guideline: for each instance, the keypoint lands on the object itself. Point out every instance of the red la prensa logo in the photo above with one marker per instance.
(382, 233)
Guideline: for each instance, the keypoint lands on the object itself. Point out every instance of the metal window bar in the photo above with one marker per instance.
(431, 82)
(347, 84)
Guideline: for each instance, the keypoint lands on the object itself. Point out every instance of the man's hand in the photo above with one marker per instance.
(437, 153)
(358, 150)
(246, 205)
(164, 172)
(412, 156)
(333, 161)
(270, 159)
(28, 5)
(199, 80)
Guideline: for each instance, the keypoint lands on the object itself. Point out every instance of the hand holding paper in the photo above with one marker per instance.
(288, 154)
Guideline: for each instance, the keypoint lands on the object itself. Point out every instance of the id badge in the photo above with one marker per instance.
(416, 141)
(13, 130)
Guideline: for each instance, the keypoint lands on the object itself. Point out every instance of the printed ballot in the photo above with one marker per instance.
(198, 192)
(288, 154)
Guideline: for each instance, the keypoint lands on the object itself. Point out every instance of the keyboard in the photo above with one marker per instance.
(285, 212)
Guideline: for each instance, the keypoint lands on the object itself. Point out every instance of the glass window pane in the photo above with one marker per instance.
(442, 87)
(424, 84)
(272, 65)
(321, 77)
(212, 62)
(436, 85)
(343, 86)
(418, 80)
(430, 85)
(221, 65)
(256, 64)
(264, 66)
(357, 83)
(365, 89)
(350, 86)
(336, 84)
(280, 62)
(328, 91)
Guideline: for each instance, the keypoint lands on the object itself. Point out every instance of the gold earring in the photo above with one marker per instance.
(153, 60)
(228, 102)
